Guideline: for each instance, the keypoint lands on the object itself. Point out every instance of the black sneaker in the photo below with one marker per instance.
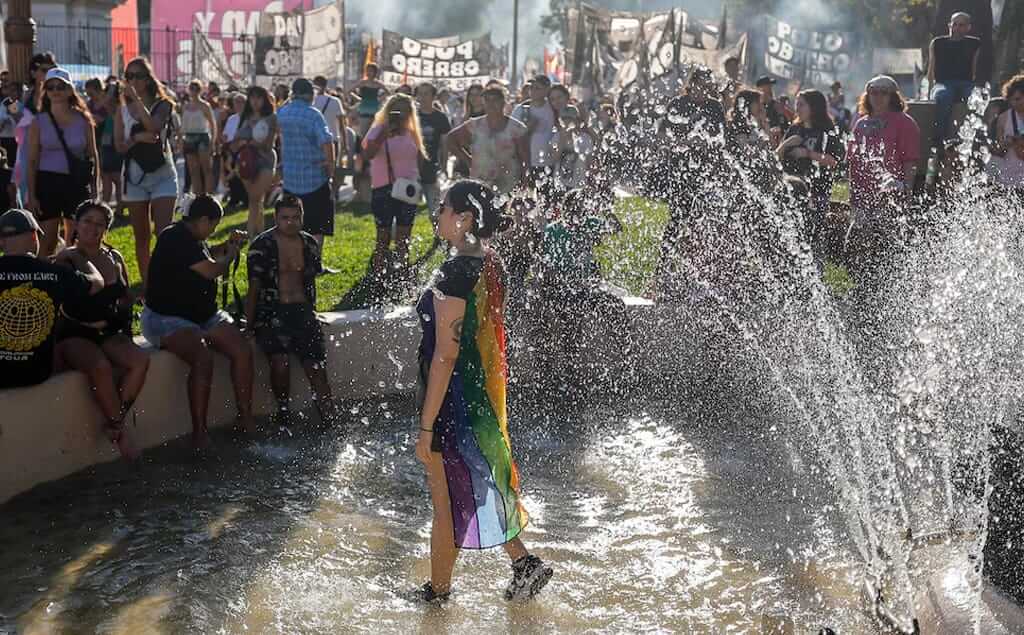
(427, 595)
(529, 576)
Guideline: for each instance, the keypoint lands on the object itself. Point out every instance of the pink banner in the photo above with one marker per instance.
(228, 25)
(227, 18)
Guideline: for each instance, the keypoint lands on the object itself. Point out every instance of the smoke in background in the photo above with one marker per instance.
(475, 17)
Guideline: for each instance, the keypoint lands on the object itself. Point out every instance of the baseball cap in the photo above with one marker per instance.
(58, 73)
(884, 82)
(14, 222)
(765, 80)
(302, 86)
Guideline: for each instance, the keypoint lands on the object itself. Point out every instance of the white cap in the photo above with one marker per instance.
(59, 73)
(882, 81)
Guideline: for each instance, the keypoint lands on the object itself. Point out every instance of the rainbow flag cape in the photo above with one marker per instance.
(483, 482)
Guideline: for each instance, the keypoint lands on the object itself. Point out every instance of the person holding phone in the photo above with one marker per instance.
(181, 313)
(394, 148)
(141, 132)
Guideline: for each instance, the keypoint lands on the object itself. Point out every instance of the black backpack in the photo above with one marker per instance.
(149, 156)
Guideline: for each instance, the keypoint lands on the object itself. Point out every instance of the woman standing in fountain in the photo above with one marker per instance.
(463, 439)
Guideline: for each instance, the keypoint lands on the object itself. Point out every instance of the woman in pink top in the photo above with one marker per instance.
(394, 147)
(883, 155)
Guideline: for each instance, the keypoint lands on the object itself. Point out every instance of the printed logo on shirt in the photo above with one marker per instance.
(26, 318)
(872, 126)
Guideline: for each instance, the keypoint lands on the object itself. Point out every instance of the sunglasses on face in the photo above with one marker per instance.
(879, 91)
(130, 76)
(56, 87)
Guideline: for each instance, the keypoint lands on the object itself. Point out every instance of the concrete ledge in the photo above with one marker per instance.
(54, 429)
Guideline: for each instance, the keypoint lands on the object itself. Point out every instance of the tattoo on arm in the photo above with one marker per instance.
(457, 330)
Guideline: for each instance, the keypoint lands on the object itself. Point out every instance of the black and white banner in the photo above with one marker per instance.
(323, 42)
(454, 64)
(607, 51)
(278, 50)
(293, 45)
(811, 57)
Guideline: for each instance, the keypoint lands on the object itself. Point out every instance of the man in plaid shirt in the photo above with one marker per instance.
(307, 161)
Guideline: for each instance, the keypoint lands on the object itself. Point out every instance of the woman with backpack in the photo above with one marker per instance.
(62, 158)
(254, 145)
(142, 133)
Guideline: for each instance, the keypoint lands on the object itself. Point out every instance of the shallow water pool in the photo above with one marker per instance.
(654, 519)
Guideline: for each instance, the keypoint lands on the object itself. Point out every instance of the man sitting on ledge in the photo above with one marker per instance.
(181, 312)
(32, 292)
(952, 72)
(283, 263)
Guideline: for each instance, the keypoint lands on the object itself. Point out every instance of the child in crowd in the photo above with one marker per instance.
(571, 286)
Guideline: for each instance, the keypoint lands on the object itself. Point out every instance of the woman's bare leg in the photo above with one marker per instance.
(123, 352)
(443, 551)
(138, 214)
(48, 241)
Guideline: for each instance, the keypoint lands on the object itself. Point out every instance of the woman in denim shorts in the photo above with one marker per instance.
(149, 196)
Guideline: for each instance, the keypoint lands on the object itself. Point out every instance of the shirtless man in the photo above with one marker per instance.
(280, 308)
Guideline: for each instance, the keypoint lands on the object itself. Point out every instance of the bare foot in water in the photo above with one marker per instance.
(127, 447)
(245, 424)
(200, 438)
(118, 435)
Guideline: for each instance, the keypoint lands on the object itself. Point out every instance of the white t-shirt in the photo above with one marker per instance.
(541, 146)
(330, 108)
(231, 127)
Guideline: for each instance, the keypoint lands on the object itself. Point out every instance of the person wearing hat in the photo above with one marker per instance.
(32, 292)
(62, 158)
(883, 155)
(778, 115)
(307, 161)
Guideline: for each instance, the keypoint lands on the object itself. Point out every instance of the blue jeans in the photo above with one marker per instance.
(945, 95)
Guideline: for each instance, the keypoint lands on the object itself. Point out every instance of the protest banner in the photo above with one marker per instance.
(456, 66)
(323, 42)
(278, 52)
(607, 51)
(810, 57)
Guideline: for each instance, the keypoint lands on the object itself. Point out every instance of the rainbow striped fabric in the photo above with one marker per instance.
(483, 481)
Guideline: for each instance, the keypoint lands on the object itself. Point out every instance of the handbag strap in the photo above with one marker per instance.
(387, 153)
(1013, 119)
(64, 144)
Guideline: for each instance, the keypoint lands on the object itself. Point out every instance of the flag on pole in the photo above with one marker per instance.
(371, 50)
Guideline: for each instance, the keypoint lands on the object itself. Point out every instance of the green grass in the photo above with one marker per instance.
(627, 259)
(348, 250)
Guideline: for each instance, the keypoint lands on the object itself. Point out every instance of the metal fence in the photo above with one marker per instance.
(177, 55)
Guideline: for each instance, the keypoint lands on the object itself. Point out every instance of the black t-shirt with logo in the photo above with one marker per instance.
(173, 287)
(815, 140)
(954, 59)
(434, 126)
(31, 294)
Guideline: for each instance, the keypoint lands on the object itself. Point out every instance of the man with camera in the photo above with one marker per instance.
(181, 313)
(307, 161)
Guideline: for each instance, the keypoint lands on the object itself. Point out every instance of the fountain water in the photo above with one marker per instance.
(891, 394)
(831, 469)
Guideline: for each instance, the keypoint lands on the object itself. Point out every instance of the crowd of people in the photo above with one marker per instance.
(541, 164)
